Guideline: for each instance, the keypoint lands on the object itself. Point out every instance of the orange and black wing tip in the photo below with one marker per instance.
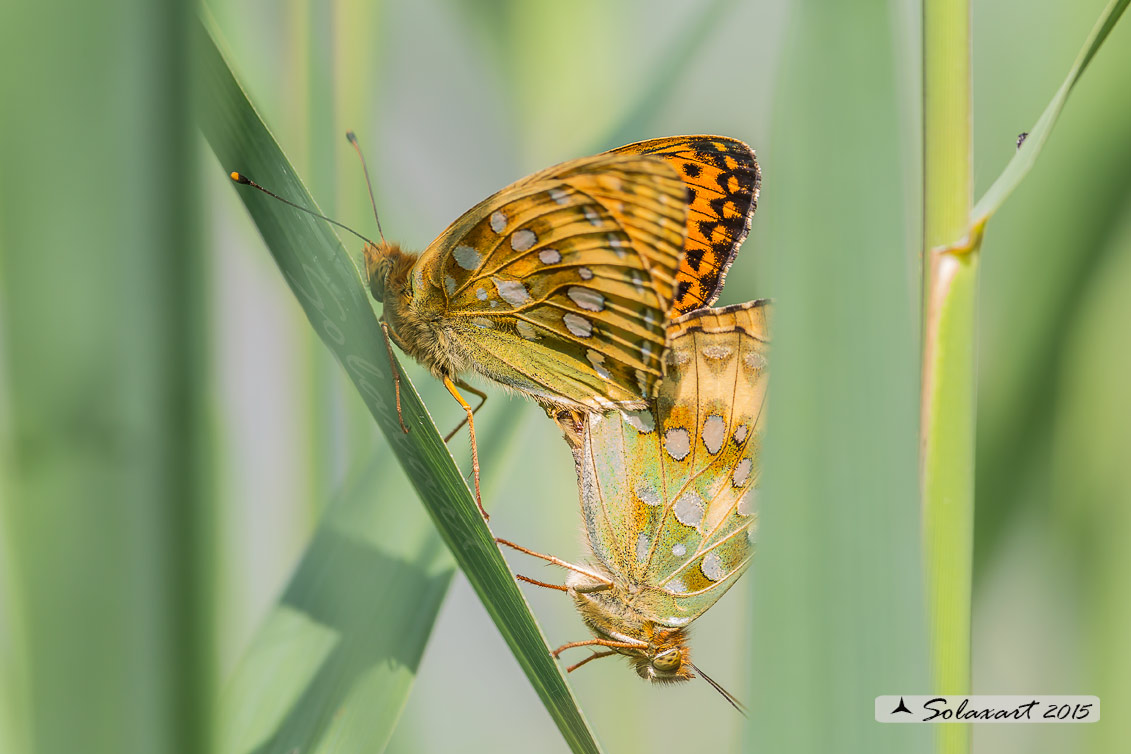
(722, 178)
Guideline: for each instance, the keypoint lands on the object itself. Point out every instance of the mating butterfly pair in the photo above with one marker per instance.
(569, 286)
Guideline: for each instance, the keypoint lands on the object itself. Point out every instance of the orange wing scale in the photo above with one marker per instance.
(722, 180)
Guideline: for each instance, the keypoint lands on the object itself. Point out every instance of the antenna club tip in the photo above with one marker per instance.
(239, 178)
(351, 137)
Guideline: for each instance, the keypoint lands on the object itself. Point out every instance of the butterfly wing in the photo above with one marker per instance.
(560, 284)
(723, 181)
(668, 499)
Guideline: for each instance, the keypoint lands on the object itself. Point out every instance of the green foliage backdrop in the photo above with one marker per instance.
(185, 470)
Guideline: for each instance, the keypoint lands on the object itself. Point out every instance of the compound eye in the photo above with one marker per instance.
(376, 271)
(668, 662)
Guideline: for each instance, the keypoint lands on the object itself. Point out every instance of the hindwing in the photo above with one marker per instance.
(668, 493)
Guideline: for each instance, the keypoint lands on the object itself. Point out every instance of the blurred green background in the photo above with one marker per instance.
(172, 431)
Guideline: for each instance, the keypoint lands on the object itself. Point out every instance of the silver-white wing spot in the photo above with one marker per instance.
(689, 508)
(523, 240)
(550, 256)
(714, 433)
(679, 550)
(578, 325)
(747, 502)
(483, 322)
(481, 294)
(512, 291)
(450, 285)
(647, 494)
(717, 351)
(742, 472)
(713, 566)
(676, 586)
(587, 299)
(677, 441)
(598, 361)
(560, 196)
(642, 420)
(498, 221)
(585, 273)
(466, 257)
(755, 360)
(740, 433)
(643, 544)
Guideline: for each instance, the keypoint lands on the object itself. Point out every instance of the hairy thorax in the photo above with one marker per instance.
(662, 655)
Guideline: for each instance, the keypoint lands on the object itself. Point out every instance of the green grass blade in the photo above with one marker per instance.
(331, 668)
(950, 285)
(106, 509)
(1027, 154)
(949, 353)
(329, 287)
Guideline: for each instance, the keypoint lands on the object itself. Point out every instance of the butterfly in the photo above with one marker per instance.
(668, 494)
(560, 285)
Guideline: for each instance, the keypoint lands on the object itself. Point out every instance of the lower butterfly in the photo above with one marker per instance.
(559, 285)
(668, 493)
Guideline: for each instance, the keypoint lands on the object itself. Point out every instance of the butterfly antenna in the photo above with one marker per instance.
(726, 694)
(352, 137)
(245, 181)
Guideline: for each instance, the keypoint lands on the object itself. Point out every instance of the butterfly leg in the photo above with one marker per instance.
(482, 399)
(536, 582)
(474, 446)
(605, 583)
(396, 374)
(590, 658)
(599, 643)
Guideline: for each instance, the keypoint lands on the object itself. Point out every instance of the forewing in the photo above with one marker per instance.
(579, 260)
(669, 499)
(723, 181)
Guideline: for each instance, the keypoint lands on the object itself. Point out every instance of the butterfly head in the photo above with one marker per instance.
(667, 658)
(387, 269)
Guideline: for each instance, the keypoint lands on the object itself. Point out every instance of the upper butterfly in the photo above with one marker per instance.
(560, 285)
